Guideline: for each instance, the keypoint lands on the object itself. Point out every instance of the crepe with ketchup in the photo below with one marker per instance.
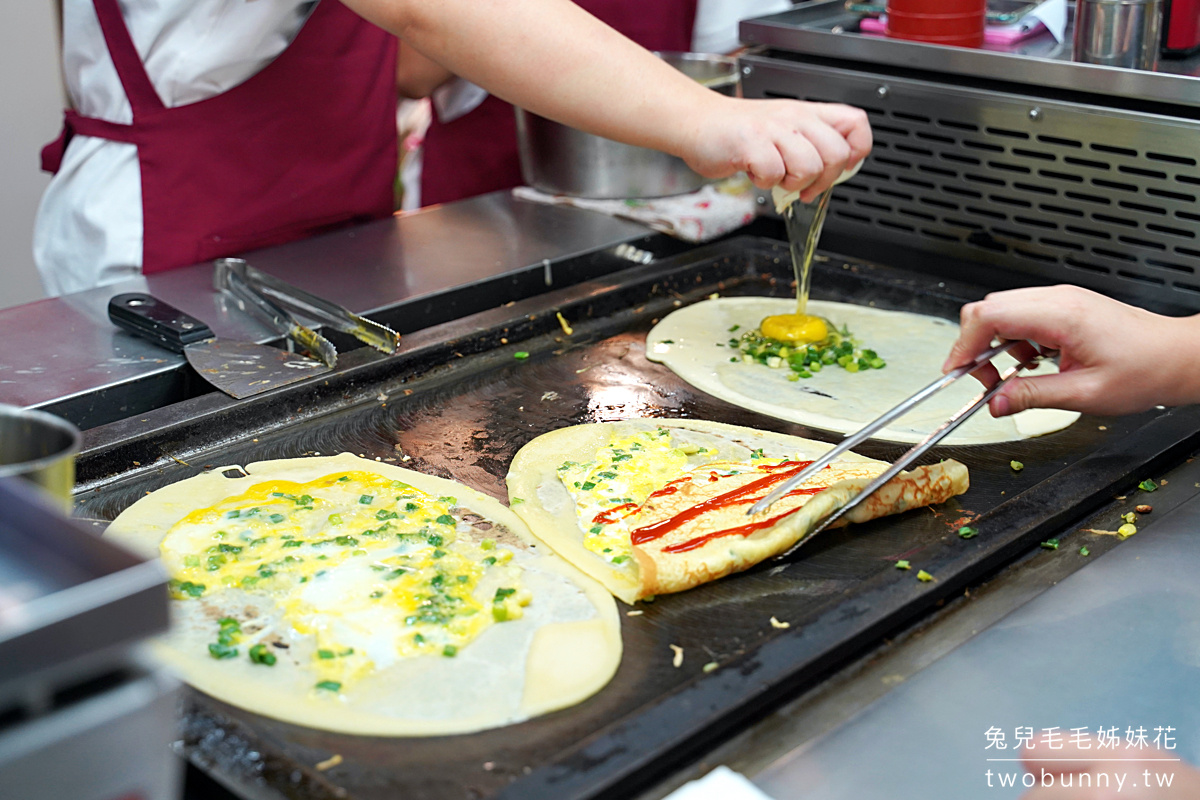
(651, 507)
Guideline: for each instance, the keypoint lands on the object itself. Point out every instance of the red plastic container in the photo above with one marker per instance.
(952, 22)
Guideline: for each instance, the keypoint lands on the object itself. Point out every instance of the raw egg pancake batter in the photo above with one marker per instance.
(694, 343)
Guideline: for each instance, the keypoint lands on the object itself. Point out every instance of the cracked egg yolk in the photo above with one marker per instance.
(794, 328)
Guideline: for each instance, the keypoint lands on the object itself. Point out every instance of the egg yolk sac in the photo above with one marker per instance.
(795, 328)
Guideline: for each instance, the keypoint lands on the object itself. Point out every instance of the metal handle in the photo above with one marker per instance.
(317, 308)
(161, 323)
(229, 277)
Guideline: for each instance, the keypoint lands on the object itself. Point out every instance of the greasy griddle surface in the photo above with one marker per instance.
(466, 421)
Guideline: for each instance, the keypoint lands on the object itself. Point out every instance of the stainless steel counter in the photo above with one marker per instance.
(65, 347)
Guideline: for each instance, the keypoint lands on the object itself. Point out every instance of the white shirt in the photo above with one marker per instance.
(89, 225)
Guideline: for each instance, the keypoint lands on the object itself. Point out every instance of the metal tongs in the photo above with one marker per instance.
(270, 299)
(958, 418)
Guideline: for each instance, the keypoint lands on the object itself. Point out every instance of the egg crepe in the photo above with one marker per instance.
(652, 507)
(694, 343)
(354, 596)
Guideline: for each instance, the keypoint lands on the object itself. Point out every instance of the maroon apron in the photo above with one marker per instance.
(306, 144)
(477, 152)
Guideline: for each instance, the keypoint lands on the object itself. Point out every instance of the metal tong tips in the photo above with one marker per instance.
(958, 418)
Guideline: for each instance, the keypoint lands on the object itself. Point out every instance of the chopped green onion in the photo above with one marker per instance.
(520, 355)
(329, 686)
(449, 651)
(260, 655)
(967, 532)
(222, 651)
(1050, 544)
(366, 499)
(902, 564)
(1147, 485)
(1016, 466)
(924, 577)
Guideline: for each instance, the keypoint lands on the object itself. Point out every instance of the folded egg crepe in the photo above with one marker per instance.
(650, 507)
(354, 596)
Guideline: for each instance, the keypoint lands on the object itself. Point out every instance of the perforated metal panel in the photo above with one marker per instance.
(1071, 192)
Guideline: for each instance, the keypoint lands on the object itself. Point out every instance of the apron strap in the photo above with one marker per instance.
(138, 88)
(73, 123)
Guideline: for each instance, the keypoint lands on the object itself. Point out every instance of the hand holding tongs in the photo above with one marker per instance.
(917, 450)
(269, 298)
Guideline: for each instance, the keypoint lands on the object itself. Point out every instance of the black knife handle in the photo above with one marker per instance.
(153, 319)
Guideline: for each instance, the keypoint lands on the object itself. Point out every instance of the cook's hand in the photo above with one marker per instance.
(1115, 359)
(1109, 780)
(798, 145)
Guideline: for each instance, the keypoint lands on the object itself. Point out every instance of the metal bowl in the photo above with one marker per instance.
(40, 448)
(561, 160)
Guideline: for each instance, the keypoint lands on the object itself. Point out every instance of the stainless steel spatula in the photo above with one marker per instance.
(240, 369)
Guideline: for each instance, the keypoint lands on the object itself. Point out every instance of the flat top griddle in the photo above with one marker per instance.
(458, 405)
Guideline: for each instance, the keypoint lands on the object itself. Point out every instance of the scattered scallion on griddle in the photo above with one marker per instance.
(967, 532)
(1083, 551)
(1147, 485)
(1050, 544)
(520, 355)
(924, 577)
(902, 564)
(1016, 466)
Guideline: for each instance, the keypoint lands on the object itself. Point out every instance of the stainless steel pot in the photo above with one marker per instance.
(561, 160)
(40, 448)
(1118, 33)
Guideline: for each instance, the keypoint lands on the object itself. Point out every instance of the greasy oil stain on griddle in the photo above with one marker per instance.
(467, 422)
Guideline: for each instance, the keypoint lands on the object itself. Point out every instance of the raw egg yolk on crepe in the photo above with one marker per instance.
(795, 328)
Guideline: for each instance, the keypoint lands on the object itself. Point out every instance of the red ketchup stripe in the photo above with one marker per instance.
(741, 530)
(659, 529)
(603, 517)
